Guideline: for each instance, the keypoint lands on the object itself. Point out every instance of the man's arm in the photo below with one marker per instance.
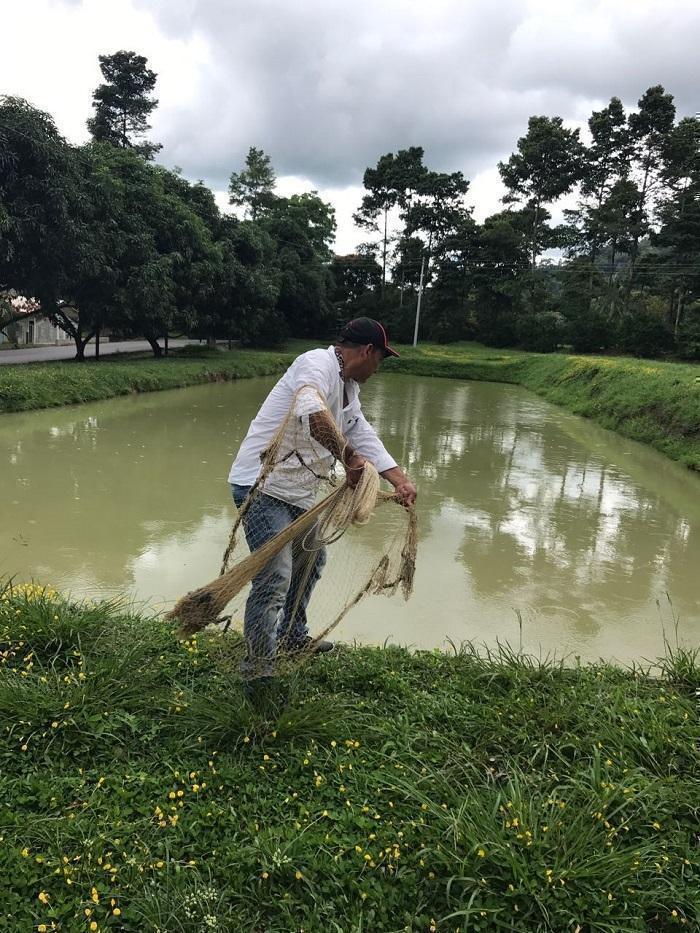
(368, 444)
(403, 487)
(324, 430)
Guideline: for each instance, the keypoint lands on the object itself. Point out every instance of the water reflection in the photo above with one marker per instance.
(522, 507)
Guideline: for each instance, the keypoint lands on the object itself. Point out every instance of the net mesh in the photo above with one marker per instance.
(308, 544)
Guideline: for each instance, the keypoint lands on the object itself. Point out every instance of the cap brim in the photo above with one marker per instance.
(389, 351)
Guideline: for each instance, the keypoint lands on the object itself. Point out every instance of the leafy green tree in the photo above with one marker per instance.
(152, 261)
(123, 103)
(243, 304)
(591, 331)
(302, 228)
(353, 276)
(437, 219)
(642, 330)
(500, 264)
(606, 162)
(177, 271)
(45, 219)
(541, 332)
(437, 210)
(688, 333)
(546, 166)
(377, 203)
(677, 240)
(650, 130)
(406, 268)
(616, 227)
(253, 187)
(448, 315)
(391, 184)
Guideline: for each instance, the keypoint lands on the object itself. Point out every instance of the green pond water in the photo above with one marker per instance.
(524, 510)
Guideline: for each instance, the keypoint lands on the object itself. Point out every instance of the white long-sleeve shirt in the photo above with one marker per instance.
(295, 479)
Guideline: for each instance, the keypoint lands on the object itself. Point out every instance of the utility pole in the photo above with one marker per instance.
(420, 296)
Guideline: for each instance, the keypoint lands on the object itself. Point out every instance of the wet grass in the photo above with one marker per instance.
(374, 790)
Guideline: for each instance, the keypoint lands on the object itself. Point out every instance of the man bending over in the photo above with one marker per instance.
(275, 613)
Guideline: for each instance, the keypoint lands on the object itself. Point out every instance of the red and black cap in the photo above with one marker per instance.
(365, 330)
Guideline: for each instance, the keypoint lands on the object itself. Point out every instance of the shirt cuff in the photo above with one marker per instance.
(383, 462)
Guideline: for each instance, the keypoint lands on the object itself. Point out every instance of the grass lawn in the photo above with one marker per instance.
(28, 386)
(375, 790)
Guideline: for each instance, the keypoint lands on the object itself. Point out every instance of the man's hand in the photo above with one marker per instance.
(404, 490)
(353, 469)
(406, 493)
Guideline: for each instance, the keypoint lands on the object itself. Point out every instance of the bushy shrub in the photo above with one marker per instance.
(448, 328)
(267, 329)
(496, 328)
(195, 351)
(590, 332)
(541, 332)
(643, 332)
(398, 318)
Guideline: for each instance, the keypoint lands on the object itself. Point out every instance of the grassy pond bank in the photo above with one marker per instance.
(375, 790)
(654, 402)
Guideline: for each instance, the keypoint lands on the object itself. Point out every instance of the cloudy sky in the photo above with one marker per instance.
(325, 87)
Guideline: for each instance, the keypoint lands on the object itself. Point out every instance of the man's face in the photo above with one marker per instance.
(369, 362)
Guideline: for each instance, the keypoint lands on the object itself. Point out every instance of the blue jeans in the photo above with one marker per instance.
(275, 612)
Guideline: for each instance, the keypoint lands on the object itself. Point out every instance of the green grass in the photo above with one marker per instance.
(654, 402)
(376, 790)
(28, 386)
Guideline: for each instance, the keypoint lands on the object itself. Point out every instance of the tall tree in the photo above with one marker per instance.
(391, 184)
(253, 188)
(546, 166)
(650, 129)
(605, 163)
(123, 103)
(677, 241)
(379, 200)
(438, 208)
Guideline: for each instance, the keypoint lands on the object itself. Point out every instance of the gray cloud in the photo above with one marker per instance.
(327, 87)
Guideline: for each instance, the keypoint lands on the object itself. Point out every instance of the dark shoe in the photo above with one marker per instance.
(307, 645)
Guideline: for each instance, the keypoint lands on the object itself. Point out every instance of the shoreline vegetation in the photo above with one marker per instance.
(656, 403)
(376, 789)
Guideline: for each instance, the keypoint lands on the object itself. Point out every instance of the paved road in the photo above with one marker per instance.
(67, 352)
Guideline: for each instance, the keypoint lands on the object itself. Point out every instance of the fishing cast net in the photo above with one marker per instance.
(306, 546)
